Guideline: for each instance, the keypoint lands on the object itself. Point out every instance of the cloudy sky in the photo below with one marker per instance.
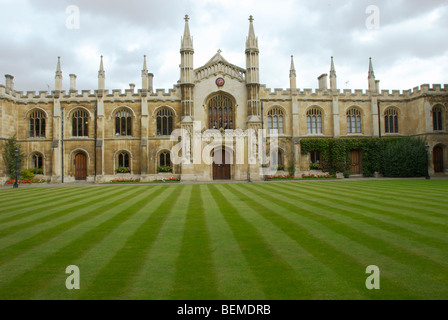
(407, 40)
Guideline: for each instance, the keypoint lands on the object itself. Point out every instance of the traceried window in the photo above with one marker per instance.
(37, 161)
(437, 118)
(164, 159)
(123, 123)
(164, 122)
(37, 124)
(123, 160)
(391, 121)
(80, 123)
(220, 112)
(315, 156)
(275, 120)
(353, 121)
(314, 121)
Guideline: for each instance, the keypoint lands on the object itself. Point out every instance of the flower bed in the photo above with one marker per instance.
(131, 180)
(281, 177)
(172, 179)
(25, 181)
(318, 176)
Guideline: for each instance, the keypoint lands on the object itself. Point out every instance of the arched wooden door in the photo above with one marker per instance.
(221, 165)
(438, 159)
(81, 166)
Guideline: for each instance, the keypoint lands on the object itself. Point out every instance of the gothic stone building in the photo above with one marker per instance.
(101, 135)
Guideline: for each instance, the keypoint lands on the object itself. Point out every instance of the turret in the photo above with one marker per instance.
(252, 73)
(333, 78)
(144, 75)
(187, 73)
(58, 76)
(372, 81)
(101, 76)
(292, 77)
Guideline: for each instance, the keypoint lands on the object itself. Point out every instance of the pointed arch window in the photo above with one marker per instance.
(391, 120)
(437, 118)
(80, 123)
(220, 112)
(123, 160)
(37, 124)
(165, 121)
(164, 159)
(37, 162)
(275, 120)
(354, 120)
(314, 121)
(123, 123)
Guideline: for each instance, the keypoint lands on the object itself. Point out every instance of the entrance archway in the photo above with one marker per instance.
(221, 164)
(80, 166)
(438, 159)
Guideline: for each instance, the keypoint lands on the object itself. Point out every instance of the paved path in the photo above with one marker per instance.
(92, 184)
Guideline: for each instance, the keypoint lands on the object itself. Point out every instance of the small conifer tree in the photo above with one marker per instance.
(9, 156)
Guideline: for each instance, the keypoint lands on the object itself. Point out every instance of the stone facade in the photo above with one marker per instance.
(131, 129)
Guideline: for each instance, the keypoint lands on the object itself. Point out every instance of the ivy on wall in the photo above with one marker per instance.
(392, 157)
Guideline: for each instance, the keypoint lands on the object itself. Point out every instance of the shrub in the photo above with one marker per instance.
(9, 156)
(123, 170)
(164, 169)
(27, 174)
(37, 171)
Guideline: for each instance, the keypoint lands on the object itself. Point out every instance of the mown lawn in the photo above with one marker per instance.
(288, 240)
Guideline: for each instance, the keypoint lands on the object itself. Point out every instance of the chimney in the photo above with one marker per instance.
(9, 82)
(72, 82)
(150, 80)
(323, 82)
(377, 86)
(132, 87)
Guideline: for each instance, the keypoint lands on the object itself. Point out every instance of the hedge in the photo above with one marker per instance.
(392, 157)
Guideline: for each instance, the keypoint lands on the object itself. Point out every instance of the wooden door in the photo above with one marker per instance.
(80, 166)
(355, 156)
(221, 165)
(438, 159)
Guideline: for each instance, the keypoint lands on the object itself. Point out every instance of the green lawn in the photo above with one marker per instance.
(288, 240)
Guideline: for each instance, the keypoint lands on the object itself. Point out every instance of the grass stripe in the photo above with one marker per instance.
(235, 281)
(274, 275)
(427, 270)
(372, 217)
(52, 229)
(346, 258)
(156, 277)
(312, 273)
(22, 284)
(195, 276)
(97, 246)
(25, 215)
(113, 279)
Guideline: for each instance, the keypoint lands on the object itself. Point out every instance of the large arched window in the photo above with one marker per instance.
(123, 123)
(353, 120)
(37, 124)
(80, 123)
(220, 112)
(437, 113)
(314, 121)
(164, 122)
(391, 120)
(275, 120)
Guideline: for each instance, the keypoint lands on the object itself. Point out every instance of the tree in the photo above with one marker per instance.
(9, 156)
